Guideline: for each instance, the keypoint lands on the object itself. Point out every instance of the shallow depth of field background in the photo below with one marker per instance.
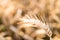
(48, 11)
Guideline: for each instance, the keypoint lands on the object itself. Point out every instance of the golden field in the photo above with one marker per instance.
(29, 19)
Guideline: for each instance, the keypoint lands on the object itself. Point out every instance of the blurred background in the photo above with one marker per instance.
(13, 13)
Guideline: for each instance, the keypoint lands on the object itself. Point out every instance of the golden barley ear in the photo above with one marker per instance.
(33, 19)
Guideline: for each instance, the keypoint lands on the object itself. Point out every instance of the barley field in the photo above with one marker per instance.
(29, 19)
